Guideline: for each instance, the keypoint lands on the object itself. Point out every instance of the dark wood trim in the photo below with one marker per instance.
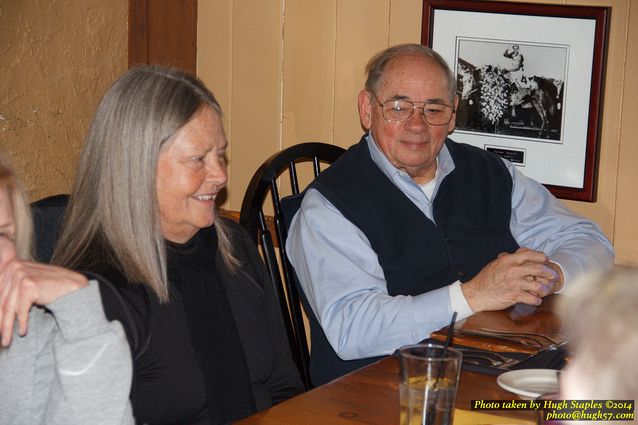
(163, 32)
(137, 32)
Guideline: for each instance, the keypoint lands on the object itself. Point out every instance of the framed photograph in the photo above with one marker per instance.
(529, 84)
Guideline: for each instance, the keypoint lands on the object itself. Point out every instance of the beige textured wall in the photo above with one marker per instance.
(57, 57)
(289, 71)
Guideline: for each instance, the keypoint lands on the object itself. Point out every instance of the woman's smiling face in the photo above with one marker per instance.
(191, 171)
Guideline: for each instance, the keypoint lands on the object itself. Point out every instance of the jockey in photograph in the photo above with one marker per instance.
(516, 65)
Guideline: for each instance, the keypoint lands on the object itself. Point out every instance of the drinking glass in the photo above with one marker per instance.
(428, 384)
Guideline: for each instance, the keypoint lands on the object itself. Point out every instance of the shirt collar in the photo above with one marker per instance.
(445, 164)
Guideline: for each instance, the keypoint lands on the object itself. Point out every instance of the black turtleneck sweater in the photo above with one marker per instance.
(216, 351)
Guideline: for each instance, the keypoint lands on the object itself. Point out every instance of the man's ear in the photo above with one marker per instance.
(452, 124)
(365, 109)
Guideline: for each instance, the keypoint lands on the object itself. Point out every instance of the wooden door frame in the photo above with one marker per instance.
(148, 22)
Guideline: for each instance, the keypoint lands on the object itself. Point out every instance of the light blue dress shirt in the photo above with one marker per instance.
(341, 276)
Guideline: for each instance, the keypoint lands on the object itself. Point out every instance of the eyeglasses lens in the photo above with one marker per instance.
(402, 110)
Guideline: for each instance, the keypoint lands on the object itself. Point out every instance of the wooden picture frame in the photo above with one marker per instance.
(530, 84)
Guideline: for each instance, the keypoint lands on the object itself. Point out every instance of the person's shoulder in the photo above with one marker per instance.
(127, 302)
(120, 297)
(114, 280)
(348, 173)
(344, 163)
(243, 245)
(236, 231)
(250, 272)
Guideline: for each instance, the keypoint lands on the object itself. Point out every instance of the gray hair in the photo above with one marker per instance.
(375, 69)
(113, 211)
(602, 325)
(21, 211)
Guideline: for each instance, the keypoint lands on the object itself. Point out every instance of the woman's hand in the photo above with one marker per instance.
(25, 283)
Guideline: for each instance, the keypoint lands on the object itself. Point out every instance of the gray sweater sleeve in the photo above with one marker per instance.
(72, 367)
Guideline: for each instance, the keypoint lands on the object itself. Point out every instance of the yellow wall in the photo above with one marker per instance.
(625, 212)
(56, 60)
(289, 71)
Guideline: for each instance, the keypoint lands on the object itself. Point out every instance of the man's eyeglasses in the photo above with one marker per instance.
(400, 110)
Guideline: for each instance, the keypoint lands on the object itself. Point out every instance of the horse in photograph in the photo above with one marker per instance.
(545, 97)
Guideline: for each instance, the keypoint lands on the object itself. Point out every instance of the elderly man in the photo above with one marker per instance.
(409, 226)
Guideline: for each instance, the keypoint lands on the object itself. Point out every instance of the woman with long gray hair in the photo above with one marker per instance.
(190, 288)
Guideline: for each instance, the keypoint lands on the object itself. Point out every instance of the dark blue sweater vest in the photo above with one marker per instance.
(472, 212)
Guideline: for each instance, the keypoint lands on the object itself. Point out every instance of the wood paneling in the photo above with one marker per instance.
(309, 95)
(255, 124)
(626, 225)
(405, 21)
(362, 31)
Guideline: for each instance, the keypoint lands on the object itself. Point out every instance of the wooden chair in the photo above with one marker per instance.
(252, 218)
(48, 214)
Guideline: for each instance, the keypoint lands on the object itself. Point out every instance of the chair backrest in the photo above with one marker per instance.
(253, 219)
(48, 214)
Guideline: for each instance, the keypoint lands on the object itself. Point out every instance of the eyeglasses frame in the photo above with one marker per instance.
(414, 106)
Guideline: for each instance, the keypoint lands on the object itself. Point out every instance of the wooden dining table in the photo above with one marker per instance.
(371, 395)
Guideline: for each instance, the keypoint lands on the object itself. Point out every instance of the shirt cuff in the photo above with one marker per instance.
(79, 314)
(458, 301)
(564, 276)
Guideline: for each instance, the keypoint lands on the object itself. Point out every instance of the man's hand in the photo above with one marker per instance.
(25, 283)
(525, 276)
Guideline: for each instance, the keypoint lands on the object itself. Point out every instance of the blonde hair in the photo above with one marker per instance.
(21, 210)
(113, 213)
(601, 321)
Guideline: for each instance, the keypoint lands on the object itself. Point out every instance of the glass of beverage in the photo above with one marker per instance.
(428, 384)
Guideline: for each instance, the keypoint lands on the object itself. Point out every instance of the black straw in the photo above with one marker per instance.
(450, 331)
(430, 417)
